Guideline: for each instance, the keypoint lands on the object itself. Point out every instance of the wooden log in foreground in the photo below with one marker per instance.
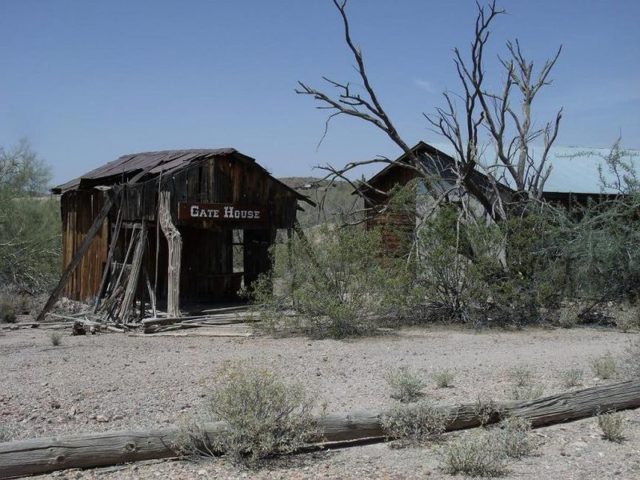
(28, 457)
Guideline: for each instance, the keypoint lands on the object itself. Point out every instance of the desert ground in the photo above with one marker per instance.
(112, 381)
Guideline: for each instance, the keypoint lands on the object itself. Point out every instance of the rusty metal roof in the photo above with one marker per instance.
(151, 164)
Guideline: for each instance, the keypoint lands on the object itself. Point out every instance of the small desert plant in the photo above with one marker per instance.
(521, 376)
(514, 436)
(7, 310)
(632, 359)
(568, 316)
(405, 385)
(523, 386)
(604, 367)
(628, 318)
(264, 417)
(56, 338)
(612, 426)
(572, 377)
(529, 392)
(6, 433)
(476, 454)
(444, 378)
(416, 423)
(486, 410)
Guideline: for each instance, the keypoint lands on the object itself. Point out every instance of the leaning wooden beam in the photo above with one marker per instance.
(107, 266)
(174, 244)
(134, 275)
(75, 261)
(28, 457)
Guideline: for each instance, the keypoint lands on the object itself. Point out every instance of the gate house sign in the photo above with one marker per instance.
(220, 212)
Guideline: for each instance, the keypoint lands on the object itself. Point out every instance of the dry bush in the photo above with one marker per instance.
(612, 426)
(264, 417)
(627, 317)
(604, 367)
(632, 359)
(7, 310)
(406, 386)
(523, 385)
(476, 454)
(444, 378)
(485, 410)
(514, 436)
(568, 315)
(6, 433)
(572, 377)
(415, 424)
(56, 338)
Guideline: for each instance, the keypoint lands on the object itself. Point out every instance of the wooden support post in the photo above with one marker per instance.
(75, 261)
(174, 245)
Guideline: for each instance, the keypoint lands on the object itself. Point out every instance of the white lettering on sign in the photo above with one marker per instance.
(228, 212)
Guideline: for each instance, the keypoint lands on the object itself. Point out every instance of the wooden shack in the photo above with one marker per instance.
(576, 175)
(170, 227)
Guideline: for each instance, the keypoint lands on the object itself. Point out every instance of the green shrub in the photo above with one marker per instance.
(30, 227)
(476, 454)
(604, 367)
(406, 386)
(612, 426)
(337, 281)
(416, 423)
(264, 417)
(7, 310)
(444, 378)
(572, 377)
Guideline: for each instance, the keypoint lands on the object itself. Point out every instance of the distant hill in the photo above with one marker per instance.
(335, 203)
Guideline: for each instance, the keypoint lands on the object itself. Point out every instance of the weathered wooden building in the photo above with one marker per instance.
(174, 226)
(576, 179)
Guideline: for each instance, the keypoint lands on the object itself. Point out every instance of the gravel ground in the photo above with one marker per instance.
(114, 382)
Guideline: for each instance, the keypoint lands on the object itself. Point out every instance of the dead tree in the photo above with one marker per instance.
(488, 120)
(174, 244)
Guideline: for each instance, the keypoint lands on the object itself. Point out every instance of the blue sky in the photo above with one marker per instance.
(87, 80)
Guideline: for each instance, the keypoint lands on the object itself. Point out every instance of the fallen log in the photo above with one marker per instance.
(28, 457)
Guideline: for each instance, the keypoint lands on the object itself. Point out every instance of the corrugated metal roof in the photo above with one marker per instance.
(574, 169)
(153, 162)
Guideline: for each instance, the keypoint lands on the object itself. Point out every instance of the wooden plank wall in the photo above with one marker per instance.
(207, 267)
(397, 227)
(79, 209)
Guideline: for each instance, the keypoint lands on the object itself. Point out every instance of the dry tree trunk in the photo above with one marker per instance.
(28, 457)
(174, 243)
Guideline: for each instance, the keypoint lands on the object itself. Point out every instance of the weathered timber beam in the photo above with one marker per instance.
(28, 457)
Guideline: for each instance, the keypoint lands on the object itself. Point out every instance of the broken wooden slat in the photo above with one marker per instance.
(134, 275)
(28, 457)
(107, 266)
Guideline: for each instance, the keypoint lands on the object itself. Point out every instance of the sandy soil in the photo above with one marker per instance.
(113, 382)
